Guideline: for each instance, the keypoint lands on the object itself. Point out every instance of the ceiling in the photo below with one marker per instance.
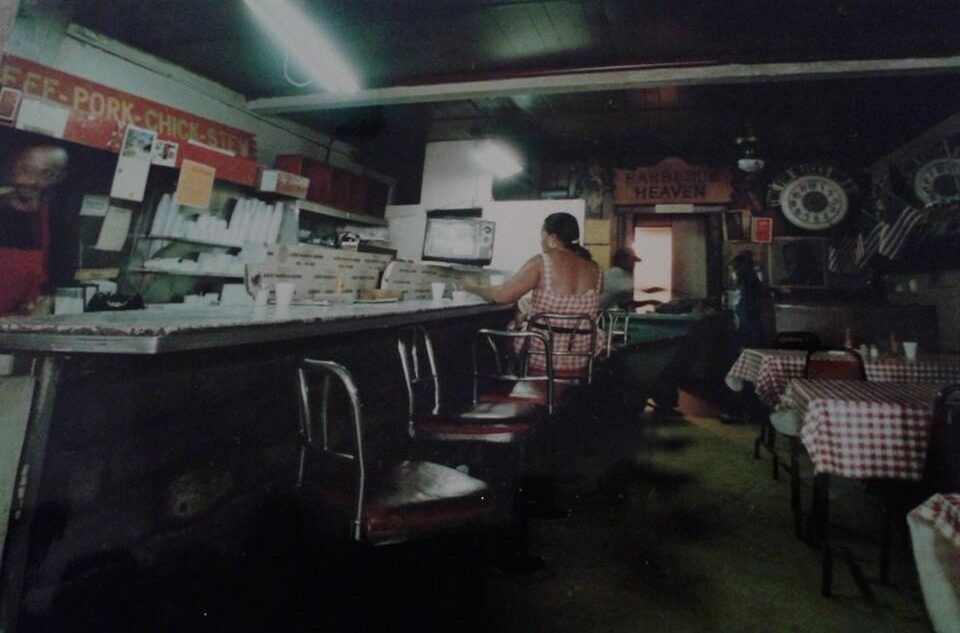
(815, 114)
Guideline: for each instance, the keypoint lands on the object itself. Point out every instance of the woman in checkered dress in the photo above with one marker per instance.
(564, 280)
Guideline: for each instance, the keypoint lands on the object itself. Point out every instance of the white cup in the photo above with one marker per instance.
(283, 290)
(437, 289)
(261, 298)
(910, 350)
(6, 364)
(460, 295)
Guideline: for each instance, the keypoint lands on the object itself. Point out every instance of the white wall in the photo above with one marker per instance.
(452, 178)
(517, 236)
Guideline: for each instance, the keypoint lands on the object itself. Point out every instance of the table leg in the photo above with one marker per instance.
(32, 456)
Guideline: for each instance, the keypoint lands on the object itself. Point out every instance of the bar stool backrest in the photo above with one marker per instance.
(835, 364)
(943, 459)
(614, 326)
(573, 339)
(331, 425)
(497, 365)
(420, 372)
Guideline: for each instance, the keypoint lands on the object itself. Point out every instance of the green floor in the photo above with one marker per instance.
(675, 527)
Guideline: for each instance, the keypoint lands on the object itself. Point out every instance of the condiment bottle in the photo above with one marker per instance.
(894, 348)
(847, 339)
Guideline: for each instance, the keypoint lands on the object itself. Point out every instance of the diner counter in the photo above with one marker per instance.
(175, 329)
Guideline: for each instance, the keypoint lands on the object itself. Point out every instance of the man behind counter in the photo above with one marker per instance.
(24, 226)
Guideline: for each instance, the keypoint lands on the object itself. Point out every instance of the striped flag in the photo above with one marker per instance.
(840, 256)
(895, 236)
(867, 246)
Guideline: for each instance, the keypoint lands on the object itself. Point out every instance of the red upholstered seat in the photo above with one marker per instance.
(407, 501)
(383, 501)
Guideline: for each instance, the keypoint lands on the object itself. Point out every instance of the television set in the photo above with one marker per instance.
(459, 241)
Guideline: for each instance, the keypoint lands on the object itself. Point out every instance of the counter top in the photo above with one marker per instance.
(175, 329)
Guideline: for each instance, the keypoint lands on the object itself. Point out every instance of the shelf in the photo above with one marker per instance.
(190, 240)
(186, 273)
(347, 216)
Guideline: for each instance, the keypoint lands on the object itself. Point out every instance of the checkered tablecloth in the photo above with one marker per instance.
(865, 430)
(943, 513)
(771, 369)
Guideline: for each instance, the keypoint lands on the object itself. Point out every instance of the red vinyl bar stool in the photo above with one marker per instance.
(388, 502)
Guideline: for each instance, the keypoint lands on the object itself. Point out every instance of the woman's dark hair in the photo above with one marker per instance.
(564, 227)
(743, 262)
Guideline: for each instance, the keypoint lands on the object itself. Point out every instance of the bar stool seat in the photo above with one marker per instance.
(497, 422)
(373, 501)
(406, 501)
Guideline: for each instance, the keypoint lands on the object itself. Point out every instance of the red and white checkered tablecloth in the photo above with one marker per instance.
(942, 511)
(771, 369)
(865, 430)
(940, 369)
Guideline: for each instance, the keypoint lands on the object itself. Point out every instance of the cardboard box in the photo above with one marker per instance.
(283, 182)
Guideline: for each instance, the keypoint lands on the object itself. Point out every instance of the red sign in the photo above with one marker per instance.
(100, 113)
(672, 181)
(762, 230)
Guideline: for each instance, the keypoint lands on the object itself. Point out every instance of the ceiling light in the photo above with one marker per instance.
(498, 158)
(313, 50)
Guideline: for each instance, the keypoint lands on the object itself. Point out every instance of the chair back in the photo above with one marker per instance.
(420, 374)
(496, 362)
(613, 325)
(835, 364)
(573, 345)
(331, 425)
(797, 340)
(943, 457)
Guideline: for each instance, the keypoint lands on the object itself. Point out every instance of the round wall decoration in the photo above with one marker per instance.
(812, 197)
(938, 181)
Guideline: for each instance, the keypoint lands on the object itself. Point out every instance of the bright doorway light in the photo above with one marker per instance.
(654, 246)
(498, 158)
(314, 51)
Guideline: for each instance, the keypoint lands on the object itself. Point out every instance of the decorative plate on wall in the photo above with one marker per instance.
(813, 197)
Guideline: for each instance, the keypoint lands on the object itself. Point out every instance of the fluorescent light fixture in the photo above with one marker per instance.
(498, 158)
(313, 50)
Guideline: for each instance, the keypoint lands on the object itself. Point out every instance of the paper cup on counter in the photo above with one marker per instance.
(437, 289)
(460, 295)
(910, 350)
(283, 292)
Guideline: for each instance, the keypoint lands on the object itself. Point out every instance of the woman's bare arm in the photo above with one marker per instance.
(509, 291)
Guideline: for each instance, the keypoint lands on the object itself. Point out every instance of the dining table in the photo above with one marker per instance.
(935, 536)
(861, 430)
(769, 370)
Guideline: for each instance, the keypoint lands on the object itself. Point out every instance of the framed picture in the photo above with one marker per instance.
(757, 251)
(762, 230)
(9, 103)
(736, 225)
(798, 262)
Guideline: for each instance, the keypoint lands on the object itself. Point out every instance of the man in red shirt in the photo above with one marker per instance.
(24, 226)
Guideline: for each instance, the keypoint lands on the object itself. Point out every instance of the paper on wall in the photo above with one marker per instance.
(130, 179)
(42, 117)
(195, 185)
(113, 232)
(94, 206)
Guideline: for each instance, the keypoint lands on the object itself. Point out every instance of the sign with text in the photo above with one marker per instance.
(99, 102)
(672, 181)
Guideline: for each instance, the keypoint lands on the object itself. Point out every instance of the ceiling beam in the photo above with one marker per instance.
(612, 79)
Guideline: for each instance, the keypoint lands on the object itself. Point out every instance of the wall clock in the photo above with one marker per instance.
(813, 197)
(938, 181)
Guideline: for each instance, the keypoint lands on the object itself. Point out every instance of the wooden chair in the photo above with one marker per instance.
(366, 500)
(797, 340)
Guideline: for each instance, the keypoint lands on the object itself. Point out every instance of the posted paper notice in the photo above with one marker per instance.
(113, 232)
(195, 185)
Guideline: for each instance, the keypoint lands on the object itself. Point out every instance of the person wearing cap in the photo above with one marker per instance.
(618, 281)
